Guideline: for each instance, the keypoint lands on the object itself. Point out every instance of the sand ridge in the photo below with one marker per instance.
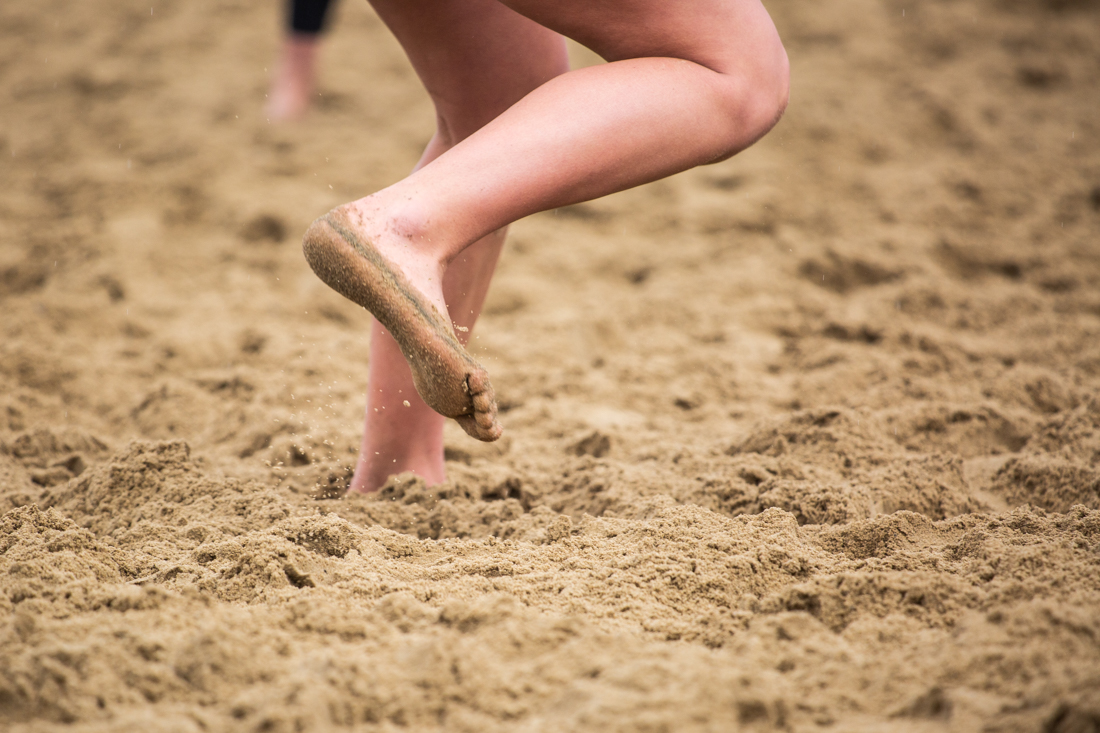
(806, 440)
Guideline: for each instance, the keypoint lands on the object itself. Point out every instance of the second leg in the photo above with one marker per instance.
(476, 77)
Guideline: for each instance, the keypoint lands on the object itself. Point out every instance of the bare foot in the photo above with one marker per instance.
(401, 290)
(293, 81)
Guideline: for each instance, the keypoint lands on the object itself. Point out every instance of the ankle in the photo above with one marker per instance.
(408, 219)
(372, 471)
(390, 221)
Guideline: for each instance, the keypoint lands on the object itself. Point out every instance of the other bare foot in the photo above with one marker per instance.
(401, 290)
(293, 82)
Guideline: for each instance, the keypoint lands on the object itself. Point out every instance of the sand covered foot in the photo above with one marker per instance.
(448, 379)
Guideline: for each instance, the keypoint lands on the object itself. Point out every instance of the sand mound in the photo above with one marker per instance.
(1060, 465)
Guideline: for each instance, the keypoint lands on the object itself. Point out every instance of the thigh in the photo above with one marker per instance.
(476, 58)
(728, 36)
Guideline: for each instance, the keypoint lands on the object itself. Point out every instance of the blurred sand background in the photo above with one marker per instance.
(807, 440)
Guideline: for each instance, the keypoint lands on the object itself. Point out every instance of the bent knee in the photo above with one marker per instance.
(773, 94)
(755, 100)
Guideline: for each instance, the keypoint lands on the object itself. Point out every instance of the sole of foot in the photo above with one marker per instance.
(448, 379)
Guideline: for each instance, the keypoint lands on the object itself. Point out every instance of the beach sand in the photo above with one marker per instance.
(806, 440)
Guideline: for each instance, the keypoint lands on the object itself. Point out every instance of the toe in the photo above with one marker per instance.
(477, 382)
(485, 420)
(475, 429)
(483, 403)
(492, 433)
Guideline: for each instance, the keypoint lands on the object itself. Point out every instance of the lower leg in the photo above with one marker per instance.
(476, 58)
(583, 135)
(402, 433)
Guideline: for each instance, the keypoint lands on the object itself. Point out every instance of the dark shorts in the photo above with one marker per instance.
(307, 16)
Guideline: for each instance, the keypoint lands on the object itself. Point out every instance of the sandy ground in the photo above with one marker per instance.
(807, 440)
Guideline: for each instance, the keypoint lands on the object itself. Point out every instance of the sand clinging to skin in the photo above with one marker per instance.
(447, 378)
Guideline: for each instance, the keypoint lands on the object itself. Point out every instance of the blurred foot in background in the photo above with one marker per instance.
(294, 81)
